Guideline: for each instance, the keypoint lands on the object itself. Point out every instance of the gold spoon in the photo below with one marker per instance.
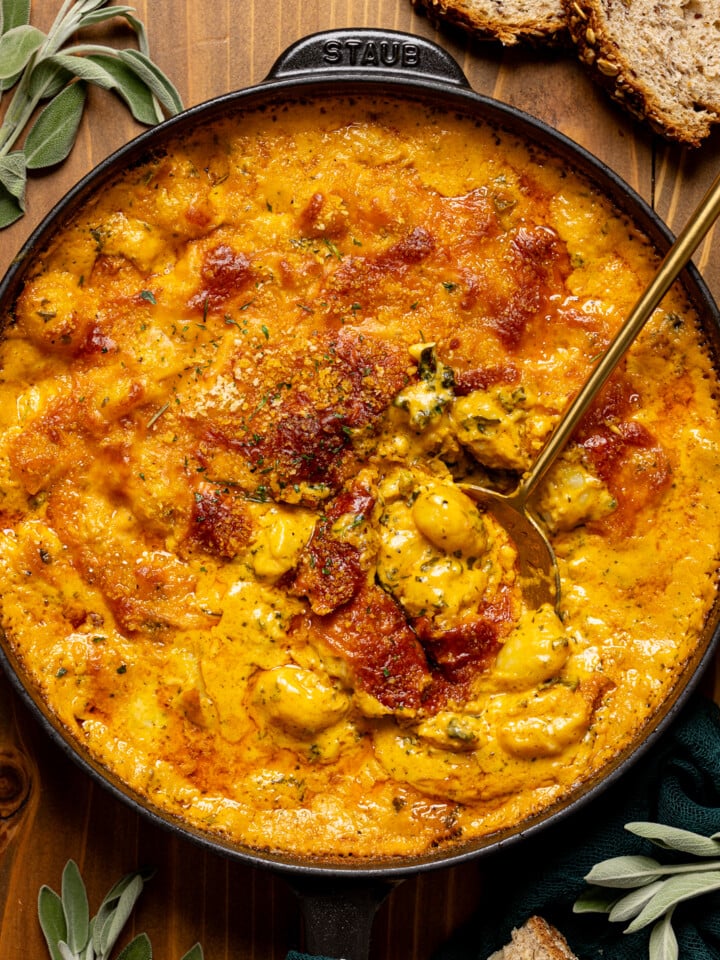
(538, 568)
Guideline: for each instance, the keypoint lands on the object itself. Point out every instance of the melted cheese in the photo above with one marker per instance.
(238, 393)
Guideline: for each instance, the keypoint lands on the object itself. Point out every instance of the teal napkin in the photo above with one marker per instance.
(677, 783)
(294, 955)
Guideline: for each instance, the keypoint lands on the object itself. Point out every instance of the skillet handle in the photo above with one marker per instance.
(367, 53)
(338, 915)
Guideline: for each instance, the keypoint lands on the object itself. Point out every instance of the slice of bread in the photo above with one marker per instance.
(535, 940)
(659, 58)
(509, 21)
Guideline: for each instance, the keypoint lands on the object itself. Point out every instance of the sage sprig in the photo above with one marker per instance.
(55, 68)
(69, 932)
(655, 889)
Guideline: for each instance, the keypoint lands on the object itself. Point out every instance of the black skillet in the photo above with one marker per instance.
(339, 897)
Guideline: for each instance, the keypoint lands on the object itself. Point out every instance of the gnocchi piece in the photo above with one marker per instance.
(431, 548)
(535, 651)
(449, 520)
(453, 731)
(431, 770)
(553, 720)
(282, 534)
(492, 426)
(298, 701)
(55, 312)
(572, 495)
(133, 239)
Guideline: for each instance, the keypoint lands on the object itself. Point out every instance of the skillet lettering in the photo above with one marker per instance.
(369, 53)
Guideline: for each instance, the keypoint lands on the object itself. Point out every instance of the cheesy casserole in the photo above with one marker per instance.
(238, 394)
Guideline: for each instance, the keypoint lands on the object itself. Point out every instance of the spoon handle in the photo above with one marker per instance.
(676, 258)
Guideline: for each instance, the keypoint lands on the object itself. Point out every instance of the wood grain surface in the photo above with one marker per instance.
(49, 809)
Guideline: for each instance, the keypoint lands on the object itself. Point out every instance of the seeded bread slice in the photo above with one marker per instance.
(659, 58)
(509, 21)
(535, 940)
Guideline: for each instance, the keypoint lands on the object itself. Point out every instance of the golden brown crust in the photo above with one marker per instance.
(655, 78)
(517, 21)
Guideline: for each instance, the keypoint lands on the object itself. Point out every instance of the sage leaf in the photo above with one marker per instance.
(13, 13)
(17, 45)
(52, 135)
(106, 911)
(153, 78)
(630, 871)
(194, 953)
(13, 175)
(674, 891)
(139, 27)
(52, 920)
(631, 904)
(595, 900)
(87, 6)
(673, 838)
(11, 209)
(89, 17)
(101, 935)
(117, 890)
(84, 68)
(75, 906)
(10, 82)
(47, 79)
(137, 949)
(131, 88)
(663, 942)
(99, 16)
(65, 952)
(89, 953)
(119, 917)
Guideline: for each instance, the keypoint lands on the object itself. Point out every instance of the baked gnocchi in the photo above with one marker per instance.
(239, 395)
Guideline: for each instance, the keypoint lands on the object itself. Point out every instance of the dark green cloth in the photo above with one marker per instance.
(294, 955)
(676, 783)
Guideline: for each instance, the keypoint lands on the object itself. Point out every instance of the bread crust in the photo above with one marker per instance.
(512, 22)
(671, 82)
(535, 940)
(614, 67)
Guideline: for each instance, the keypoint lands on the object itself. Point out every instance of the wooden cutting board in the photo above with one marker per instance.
(49, 810)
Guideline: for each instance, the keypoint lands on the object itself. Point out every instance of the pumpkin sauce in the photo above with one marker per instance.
(237, 396)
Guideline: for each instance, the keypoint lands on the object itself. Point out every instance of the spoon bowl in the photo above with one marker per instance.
(537, 566)
(537, 563)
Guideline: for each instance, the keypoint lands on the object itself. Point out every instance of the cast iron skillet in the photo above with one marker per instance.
(339, 897)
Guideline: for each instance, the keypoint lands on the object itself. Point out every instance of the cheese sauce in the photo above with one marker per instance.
(237, 396)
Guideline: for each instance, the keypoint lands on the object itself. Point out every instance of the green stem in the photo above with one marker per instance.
(61, 30)
(18, 113)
